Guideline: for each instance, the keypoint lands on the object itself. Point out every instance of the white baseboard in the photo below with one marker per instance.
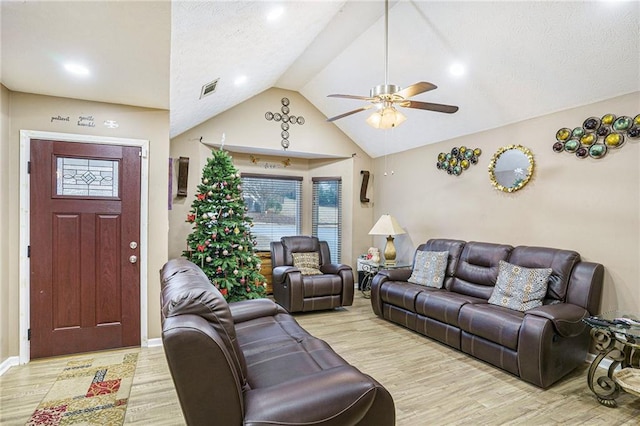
(8, 363)
(152, 343)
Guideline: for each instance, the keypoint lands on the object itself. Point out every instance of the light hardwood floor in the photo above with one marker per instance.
(431, 384)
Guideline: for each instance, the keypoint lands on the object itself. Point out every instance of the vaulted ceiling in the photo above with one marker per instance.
(521, 59)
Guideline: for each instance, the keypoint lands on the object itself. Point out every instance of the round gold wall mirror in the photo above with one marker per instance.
(511, 168)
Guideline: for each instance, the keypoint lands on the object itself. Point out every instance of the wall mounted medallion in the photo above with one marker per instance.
(458, 160)
(597, 135)
(511, 168)
(287, 120)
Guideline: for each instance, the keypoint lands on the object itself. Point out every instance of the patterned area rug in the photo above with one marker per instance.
(89, 391)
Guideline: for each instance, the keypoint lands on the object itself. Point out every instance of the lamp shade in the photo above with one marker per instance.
(387, 118)
(386, 225)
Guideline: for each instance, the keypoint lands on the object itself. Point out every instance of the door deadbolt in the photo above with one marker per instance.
(133, 245)
(133, 259)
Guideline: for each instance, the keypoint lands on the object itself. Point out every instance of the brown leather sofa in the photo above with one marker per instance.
(250, 363)
(332, 287)
(539, 345)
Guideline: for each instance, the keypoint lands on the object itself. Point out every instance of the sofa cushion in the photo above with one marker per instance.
(401, 294)
(307, 262)
(443, 305)
(561, 263)
(477, 269)
(321, 285)
(520, 288)
(429, 268)
(493, 323)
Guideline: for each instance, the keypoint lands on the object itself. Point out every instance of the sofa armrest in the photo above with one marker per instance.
(379, 279)
(341, 395)
(279, 273)
(334, 268)
(565, 317)
(401, 274)
(246, 310)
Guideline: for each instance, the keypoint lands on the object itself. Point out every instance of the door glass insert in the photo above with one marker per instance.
(87, 177)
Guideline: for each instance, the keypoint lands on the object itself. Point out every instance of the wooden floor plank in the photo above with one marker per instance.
(431, 384)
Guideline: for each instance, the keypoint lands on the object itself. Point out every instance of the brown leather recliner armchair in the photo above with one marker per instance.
(298, 291)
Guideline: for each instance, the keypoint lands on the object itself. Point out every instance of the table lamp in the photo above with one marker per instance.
(388, 225)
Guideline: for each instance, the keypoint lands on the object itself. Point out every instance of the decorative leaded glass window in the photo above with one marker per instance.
(87, 177)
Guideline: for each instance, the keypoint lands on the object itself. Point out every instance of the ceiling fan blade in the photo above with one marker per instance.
(416, 89)
(362, 98)
(449, 109)
(346, 114)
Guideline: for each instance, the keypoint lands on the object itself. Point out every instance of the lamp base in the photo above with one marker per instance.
(390, 252)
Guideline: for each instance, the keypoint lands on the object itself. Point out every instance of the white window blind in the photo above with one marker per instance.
(327, 213)
(275, 205)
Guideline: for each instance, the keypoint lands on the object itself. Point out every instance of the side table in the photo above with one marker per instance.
(369, 270)
(617, 337)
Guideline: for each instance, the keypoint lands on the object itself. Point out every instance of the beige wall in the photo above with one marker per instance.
(5, 162)
(34, 112)
(245, 127)
(591, 206)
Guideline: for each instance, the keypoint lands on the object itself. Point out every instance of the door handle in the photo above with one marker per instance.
(133, 245)
(133, 259)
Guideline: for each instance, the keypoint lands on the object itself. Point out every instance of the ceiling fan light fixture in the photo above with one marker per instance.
(387, 118)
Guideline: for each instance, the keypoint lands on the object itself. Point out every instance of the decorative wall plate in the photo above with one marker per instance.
(597, 135)
(457, 160)
(285, 101)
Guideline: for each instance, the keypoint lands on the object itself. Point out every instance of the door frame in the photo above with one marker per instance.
(25, 192)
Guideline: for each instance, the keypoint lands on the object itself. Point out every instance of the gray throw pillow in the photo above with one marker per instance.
(520, 288)
(429, 268)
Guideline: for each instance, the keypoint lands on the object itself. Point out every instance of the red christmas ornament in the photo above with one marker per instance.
(219, 269)
(228, 197)
(242, 280)
(191, 218)
(224, 291)
(200, 197)
(226, 229)
(214, 236)
(201, 247)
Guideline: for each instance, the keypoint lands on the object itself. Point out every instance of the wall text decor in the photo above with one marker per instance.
(280, 165)
(458, 160)
(286, 121)
(597, 135)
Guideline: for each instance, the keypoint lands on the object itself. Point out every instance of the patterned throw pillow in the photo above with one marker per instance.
(520, 288)
(308, 263)
(429, 268)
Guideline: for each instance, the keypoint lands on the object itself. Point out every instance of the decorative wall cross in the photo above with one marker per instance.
(286, 119)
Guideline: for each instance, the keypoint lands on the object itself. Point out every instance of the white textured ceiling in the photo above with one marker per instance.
(523, 59)
(125, 44)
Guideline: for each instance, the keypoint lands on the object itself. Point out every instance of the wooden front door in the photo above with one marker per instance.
(84, 236)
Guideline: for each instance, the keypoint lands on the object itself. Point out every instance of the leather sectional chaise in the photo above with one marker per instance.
(539, 345)
(250, 362)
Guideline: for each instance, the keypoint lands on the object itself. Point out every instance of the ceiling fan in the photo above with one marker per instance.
(385, 97)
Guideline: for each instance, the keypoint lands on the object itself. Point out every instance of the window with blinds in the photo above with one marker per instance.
(275, 205)
(327, 213)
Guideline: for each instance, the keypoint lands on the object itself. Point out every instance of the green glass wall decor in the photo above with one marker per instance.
(597, 135)
(458, 160)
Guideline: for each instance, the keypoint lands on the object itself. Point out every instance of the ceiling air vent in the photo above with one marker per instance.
(209, 88)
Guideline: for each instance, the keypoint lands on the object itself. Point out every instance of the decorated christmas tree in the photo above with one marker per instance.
(221, 242)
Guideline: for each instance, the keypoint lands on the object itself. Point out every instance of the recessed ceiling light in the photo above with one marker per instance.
(240, 80)
(76, 69)
(457, 69)
(275, 13)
